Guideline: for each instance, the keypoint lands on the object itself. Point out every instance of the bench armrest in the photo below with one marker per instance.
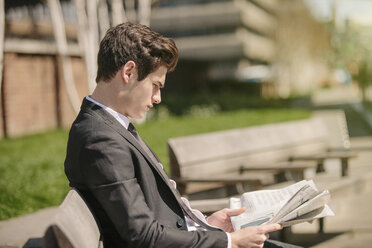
(280, 166)
(326, 155)
(255, 180)
(344, 156)
(284, 171)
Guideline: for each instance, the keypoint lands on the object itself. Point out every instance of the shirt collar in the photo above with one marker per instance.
(122, 119)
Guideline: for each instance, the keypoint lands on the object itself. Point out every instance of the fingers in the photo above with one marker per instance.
(261, 239)
(253, 236)
(234, 212)
(266, 228)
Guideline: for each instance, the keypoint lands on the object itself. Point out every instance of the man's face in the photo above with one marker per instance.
(143, 94)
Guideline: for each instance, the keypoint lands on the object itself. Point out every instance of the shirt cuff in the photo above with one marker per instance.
(228, 240)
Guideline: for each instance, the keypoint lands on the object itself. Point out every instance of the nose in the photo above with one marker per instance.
(156, 97)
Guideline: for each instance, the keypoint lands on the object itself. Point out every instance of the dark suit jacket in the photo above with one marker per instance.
(134, 205)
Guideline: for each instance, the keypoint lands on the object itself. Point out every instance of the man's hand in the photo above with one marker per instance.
(253, 236)
(222, 219)
(249, 237)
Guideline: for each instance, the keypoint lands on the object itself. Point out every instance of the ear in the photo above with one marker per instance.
(128, 71)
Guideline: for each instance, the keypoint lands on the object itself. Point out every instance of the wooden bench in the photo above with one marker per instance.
(338, 140)
(263, 152)
(73, 226)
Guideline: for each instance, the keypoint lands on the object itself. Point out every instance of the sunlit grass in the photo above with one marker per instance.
(31, 173)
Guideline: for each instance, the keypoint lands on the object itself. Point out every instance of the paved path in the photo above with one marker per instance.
(25, 231)
(352, 225)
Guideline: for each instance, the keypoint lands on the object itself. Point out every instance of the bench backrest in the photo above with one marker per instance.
(336, 123)
(224, 152)
(73, 226)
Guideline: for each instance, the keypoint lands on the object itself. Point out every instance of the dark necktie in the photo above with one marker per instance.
(142, 143)
(185, 208)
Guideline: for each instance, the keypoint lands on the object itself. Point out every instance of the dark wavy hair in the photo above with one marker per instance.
(138, 43)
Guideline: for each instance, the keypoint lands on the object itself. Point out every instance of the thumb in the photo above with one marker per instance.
(271, 227)
(234, 212)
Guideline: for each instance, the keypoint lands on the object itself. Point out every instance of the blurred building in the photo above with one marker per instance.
(275, 46)
(302, 50)
(220, 40)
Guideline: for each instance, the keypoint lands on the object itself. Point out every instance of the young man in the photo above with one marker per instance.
(134, 201)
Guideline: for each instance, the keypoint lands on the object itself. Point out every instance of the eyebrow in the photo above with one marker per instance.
(160, 84)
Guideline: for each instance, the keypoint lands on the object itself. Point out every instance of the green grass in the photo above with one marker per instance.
(31, 167)
(31, 173)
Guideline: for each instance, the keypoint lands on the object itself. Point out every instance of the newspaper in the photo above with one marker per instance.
(297, 203)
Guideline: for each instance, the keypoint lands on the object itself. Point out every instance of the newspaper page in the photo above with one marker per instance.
(304, 194)
(278, 206)
(318, 202)
(309, 217)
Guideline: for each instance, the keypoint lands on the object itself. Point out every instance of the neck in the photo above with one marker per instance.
(106, 93)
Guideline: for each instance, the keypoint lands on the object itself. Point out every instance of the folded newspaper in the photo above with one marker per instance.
(297, 203)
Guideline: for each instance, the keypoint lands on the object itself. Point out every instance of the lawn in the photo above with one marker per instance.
(31, 167)
(31, 173)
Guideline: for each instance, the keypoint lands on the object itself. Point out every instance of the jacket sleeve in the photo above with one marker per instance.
(108, 170)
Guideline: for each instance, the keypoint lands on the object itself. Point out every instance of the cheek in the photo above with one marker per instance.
(148, 92)
(142, 97)
(142, 94)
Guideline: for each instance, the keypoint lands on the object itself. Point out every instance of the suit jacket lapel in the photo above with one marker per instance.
(89, 106)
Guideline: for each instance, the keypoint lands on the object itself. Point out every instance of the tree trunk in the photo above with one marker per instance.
(2, 33)
(103, 17)
(92, 40)
(61, 41)
(118, 13)
(144, 12)
(84, 43)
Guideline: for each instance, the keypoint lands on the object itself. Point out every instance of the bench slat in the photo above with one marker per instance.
(73, 226)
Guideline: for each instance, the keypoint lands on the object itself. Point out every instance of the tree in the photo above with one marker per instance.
(94, 18)
(364, 77)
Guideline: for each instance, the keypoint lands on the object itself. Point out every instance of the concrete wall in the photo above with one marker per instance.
(34, 96)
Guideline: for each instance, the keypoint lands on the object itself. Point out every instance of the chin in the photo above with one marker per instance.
(138, 116)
